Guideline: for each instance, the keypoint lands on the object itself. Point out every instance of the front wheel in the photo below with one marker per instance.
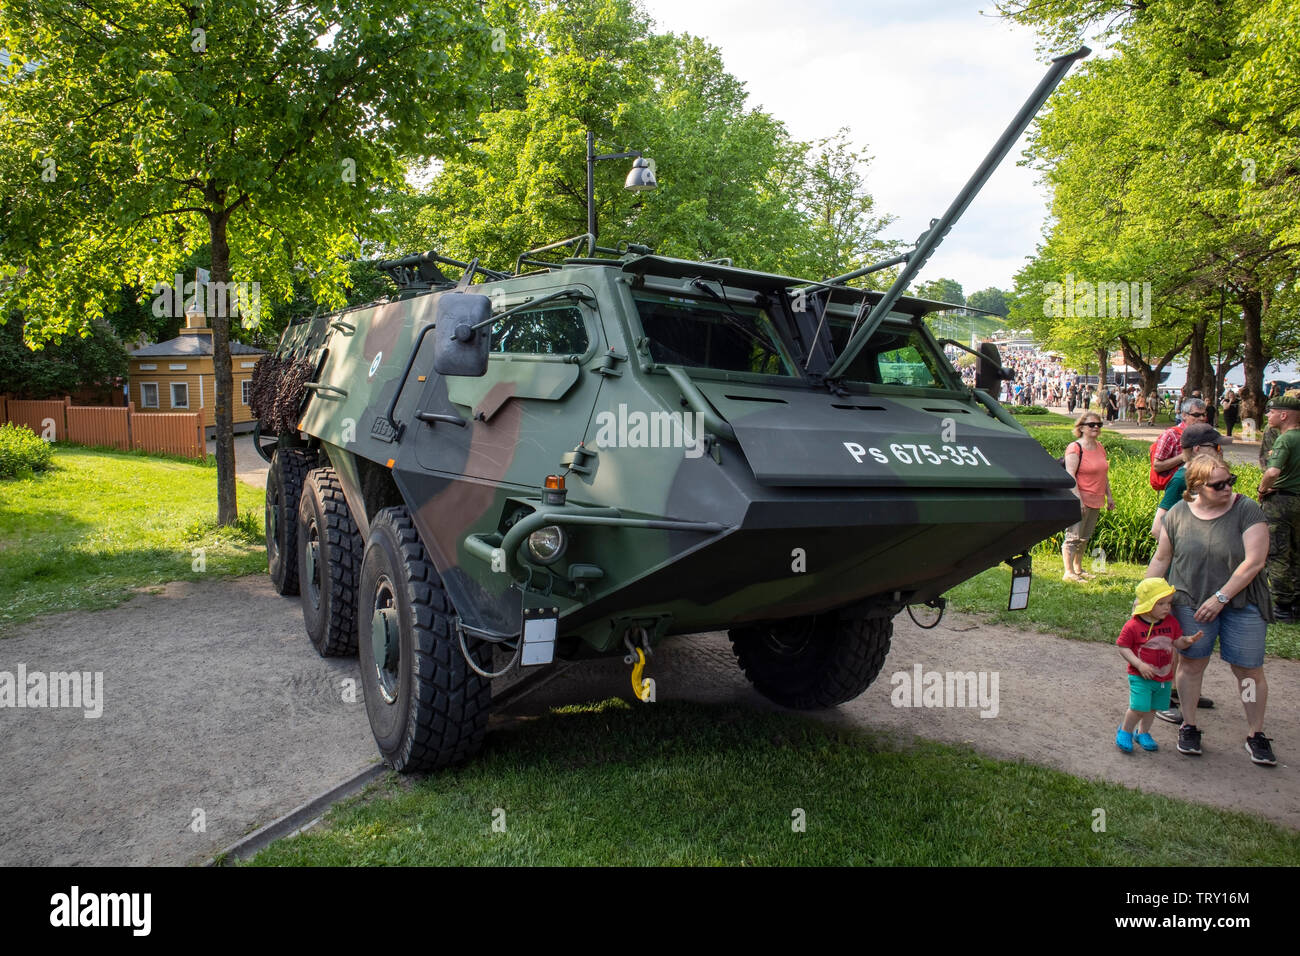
(427, 707)
(814, 662)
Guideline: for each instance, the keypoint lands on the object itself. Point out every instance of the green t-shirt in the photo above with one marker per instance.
(1285, 457)
(1174, 490)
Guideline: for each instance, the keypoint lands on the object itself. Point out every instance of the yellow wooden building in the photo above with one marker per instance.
(178, 375)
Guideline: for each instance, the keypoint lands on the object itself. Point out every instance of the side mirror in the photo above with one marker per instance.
(988, 369)
(458, 347)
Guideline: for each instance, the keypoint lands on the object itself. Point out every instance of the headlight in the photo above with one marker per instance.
(546, 545)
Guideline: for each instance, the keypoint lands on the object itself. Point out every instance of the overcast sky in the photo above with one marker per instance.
(925, 85)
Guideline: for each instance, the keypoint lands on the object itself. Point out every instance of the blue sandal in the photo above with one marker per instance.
(1147, 742)
(1124, 740)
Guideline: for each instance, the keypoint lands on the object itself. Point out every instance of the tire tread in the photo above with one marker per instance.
(290, 467)
(342, 560)
(854, 658)
(449, 709)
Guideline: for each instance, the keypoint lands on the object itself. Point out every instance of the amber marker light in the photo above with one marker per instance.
(553, 492)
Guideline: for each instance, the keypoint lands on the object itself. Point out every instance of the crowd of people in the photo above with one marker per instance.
(1042, 379)
(1225, 566)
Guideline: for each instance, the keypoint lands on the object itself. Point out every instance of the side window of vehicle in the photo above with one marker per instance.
(556, 331)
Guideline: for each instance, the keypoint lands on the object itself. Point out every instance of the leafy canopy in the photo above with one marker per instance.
(271, 129)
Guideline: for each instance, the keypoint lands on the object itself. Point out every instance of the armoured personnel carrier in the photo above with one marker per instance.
(585, 455)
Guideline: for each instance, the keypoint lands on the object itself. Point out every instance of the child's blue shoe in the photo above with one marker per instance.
(1147, 742)
(1124, 740)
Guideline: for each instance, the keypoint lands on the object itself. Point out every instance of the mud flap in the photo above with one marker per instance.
(541, 625)
(1022, 572)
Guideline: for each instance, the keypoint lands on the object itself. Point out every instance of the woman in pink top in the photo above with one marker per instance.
(1086, 462)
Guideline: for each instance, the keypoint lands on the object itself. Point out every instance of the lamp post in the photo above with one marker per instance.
(639, 179)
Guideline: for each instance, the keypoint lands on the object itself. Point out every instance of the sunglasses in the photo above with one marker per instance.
(1092, 424)
(1222, 485)
(1194, 415)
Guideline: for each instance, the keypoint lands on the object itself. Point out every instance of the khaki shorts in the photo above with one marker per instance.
(1079, 533)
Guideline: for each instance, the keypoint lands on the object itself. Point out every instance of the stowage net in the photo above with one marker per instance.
(277, 389)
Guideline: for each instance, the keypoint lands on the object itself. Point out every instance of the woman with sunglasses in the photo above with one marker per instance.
(1213, 545)
(1085, 460)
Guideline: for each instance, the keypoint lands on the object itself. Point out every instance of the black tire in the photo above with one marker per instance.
(329, 564)
(813, 662)
(427, 708)
(289, 466)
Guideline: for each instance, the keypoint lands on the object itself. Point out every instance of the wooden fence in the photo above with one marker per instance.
(46, 418)
(176, 433)
(97, 425)
(172, 433)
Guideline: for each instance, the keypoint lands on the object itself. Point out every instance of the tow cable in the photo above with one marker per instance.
(460, 631)
(938, 603)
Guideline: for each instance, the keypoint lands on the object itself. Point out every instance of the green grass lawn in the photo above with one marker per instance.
(100, 523)
(1093, 611)
(687, 784)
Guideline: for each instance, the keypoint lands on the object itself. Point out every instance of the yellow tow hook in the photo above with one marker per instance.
(642, 687)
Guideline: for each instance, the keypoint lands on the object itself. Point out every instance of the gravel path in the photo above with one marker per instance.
(250, 468)
(214, 701)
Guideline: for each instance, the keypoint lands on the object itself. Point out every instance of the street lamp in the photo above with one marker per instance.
(639, 179)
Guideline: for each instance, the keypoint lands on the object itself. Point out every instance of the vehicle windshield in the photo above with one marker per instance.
(896, 355)
(702, 333)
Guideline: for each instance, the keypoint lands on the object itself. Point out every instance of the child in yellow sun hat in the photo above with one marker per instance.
(1147, 643)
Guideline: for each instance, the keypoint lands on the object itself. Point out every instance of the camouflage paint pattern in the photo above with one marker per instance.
(866, 501)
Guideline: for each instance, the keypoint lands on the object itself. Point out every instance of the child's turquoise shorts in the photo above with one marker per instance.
(1147, 695)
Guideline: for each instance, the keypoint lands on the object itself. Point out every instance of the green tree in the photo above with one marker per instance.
(731, 180)
(941, 290)
(845, 233)
(59, 367)
(1146, 153)
(270, 130)
(991, 299)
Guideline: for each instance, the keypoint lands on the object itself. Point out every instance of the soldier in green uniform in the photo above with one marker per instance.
(1279, 493)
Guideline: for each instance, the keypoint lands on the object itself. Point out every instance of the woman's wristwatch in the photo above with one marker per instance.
(1223, 598)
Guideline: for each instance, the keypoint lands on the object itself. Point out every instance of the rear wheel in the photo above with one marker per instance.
(427, 708)
(813, 662)
(329, 564)
(289, 466)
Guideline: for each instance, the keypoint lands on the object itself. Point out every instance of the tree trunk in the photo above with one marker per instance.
(1252, 393)
(1220, 369)
(1103, 368)
(1195, 359)
(1199, 370)
(1150, 374)
(227, 509)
